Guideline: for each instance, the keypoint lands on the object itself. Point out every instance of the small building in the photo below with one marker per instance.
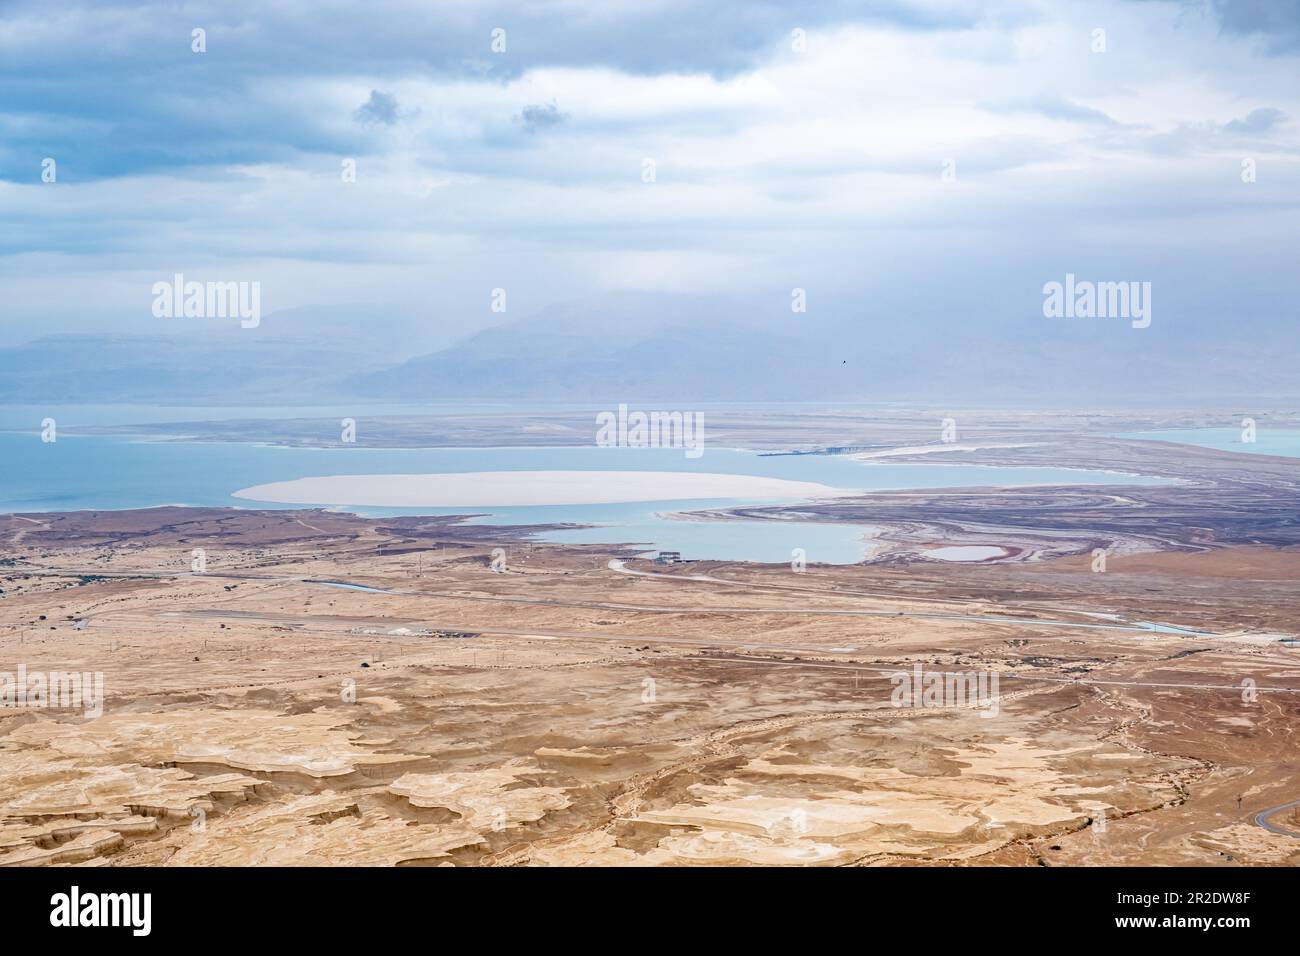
(668, 557)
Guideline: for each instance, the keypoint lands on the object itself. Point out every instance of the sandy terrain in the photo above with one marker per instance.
(567, 711)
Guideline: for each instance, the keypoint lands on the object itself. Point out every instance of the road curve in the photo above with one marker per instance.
(1261, 818)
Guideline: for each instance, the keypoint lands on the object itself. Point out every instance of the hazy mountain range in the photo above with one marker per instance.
(666, 348)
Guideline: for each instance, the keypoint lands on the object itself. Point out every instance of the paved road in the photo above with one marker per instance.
(1262, 819)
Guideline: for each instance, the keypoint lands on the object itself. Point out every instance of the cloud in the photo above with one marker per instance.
(116, 80)
(1257, 121)
(380, 108)
(1187, 139)
(542, 116)
(1055, 107)
(818, 168)
(1277, 22)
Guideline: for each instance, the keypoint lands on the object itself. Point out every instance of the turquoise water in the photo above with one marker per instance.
(1268, 441)
(646, 523)
(109, 473)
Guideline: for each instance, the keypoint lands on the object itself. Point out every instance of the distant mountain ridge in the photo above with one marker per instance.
(674, 349)
(705, 349)
(80, 368)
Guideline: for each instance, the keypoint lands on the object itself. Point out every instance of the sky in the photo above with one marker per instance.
(936, 158)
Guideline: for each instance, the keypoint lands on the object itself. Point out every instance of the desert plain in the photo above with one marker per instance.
(326, 689)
